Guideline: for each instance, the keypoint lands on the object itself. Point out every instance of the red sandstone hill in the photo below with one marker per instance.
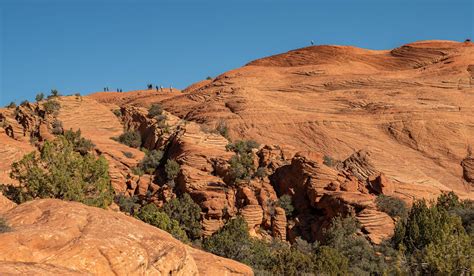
(400, 122)
(410, 108)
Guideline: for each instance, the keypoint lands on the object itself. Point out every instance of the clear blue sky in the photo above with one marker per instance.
(83, 46)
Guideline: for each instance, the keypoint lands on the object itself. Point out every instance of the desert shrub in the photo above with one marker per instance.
(11, 105)
(54, 93)
(448, 201)
(138, 171)
(155, 110)
(61, 172)
(172, 169)
(51, 106)
(330, 261)
(434, 240)
(130, 138)
(39, 97)
(209, 78)
(151, 161)
(128, 154)
(242, 163)
(222, 129)
(466, 212)
(461, 208)
(287, 260)
(80, 144)
(329, 161)
(231, 241)
(127, 204)
(161, 119)
(393, 206)
(261, 172)
(57, 127)
(241, 167)
(4, 227)
(152, 215)
(25, 102)
(285, 202)
(78, 95)
(242, 146)
(187, 213)
(342, 236)
(117, 112)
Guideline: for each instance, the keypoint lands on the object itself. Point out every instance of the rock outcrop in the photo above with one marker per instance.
(56, 237)
(338, 100)
(329, 192)
(338, 126)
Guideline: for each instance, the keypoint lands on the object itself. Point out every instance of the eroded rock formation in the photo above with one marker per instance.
(95, 241)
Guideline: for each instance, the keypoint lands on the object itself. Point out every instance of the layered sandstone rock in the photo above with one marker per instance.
(315, 186)
(71, 238)
(338, 100)
(468, 169)
(100, 125)
(11, 151)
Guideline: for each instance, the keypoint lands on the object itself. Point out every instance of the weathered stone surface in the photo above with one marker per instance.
(100, 125)
(468, 169)
(11, 151)
(73, 238)
(380, 184)
(5, 204)
(339, 100)
(378, 225)
(279, 224)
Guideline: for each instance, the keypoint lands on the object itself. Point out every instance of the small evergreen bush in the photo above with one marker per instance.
(130, 138)
(241, 164)
(51, 106)
(152, 215)
(61, 172)
(285, 202)
(127, 204)
(393, 206)
(187, 213)
(39, 97)
(80, 144)
(155, 110)
(151, 161)
(172, 169)
(11, 105)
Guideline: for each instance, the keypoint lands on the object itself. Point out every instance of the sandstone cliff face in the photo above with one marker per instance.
(409, 108)
(52, 236)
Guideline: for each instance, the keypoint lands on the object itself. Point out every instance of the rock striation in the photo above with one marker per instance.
(71, 238)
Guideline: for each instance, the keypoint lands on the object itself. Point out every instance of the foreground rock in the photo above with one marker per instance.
(52, 237)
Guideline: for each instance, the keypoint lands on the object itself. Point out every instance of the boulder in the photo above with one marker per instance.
(71, 238)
